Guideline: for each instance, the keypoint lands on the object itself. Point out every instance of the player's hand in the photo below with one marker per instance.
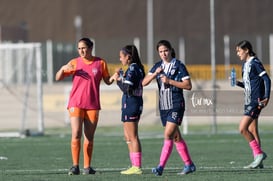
(164, 79)
(68, 68)
(158, 70)
(114, 77)
(263, 103)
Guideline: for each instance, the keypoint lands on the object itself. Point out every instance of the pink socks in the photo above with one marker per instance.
(182, 150)
(255, 147)
(166, 152)
(136, 158)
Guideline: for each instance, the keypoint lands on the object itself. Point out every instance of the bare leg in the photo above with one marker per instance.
(253, 128)
(244, 128)
(247, 126)
(133, 142)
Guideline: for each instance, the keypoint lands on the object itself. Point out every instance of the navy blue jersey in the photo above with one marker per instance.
(254, 85)
(131, 86)
(171, 97)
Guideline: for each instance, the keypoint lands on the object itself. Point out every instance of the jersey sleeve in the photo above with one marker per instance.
(259, 67)
(72, 62)
(131, 76)
(267, 85)
(262, 73)
(183, 72)
(125, 84)
(153, 69)
(105, 71)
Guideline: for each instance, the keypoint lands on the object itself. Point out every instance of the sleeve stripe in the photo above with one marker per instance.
(185, 78)
(262, 73)
(128, 82)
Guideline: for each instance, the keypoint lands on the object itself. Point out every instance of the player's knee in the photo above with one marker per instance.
(77, 135)
(88, 142)
(168, 137)
(242, 130)
(89, 138)
(128, 141)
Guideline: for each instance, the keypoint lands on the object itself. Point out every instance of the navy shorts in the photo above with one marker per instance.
(252, 110)
(172, 115)
(131, 109)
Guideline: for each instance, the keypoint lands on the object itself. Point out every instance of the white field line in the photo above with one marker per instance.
(99, 170)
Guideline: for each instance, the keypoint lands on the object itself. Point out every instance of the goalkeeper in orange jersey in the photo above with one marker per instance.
(84, 103)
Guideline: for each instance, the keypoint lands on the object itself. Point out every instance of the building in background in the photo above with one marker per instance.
(112, 24)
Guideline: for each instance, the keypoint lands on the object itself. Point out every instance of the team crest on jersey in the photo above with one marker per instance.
(94, 71)
(172, 71)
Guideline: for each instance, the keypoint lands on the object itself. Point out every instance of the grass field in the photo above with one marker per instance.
(47, 158)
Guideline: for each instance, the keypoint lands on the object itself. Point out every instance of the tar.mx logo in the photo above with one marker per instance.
(200, 101)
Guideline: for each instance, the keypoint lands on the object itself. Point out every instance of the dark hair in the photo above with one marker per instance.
(167, 44)
(88, 42)
(131, 50)
(246, 45)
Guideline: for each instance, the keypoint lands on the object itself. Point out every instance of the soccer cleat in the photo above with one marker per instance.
(261, 166)
(248, 166)
(74, 170)
(89, 170)
(258, 161)
(133, 170)
(158, 170)
(188, 169)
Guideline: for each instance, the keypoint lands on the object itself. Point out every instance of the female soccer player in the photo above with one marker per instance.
(257, 85)
(84, 102)
(172, 77)
(130, 83)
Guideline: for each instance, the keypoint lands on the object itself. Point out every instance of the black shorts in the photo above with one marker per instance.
(131, 109)
(172, 115)
(252, 110)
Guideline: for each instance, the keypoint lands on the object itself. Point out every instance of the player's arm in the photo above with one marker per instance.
(151, 76)
(66, 70)
(182, 80)
(105, 73)
(185, 84)
(125, 86)
(240, 84)
(266, 80)
(267, 86)
(129, 82)
(108, 80)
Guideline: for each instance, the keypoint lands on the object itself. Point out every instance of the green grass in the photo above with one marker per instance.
(48, 158)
